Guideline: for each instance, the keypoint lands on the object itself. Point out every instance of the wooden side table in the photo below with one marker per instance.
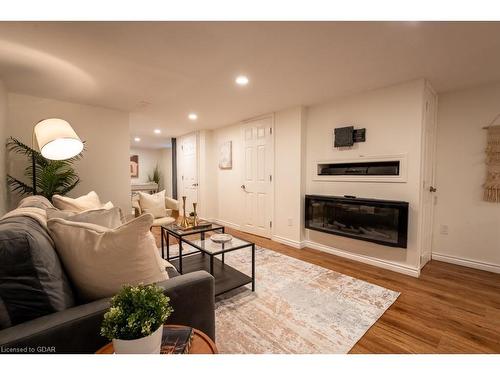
(201, 344)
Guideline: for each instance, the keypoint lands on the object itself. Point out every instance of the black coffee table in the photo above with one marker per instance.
(175, 231)
(205, 258)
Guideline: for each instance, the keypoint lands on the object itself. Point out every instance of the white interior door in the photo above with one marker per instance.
(189, 171)
(257, 184)
(429, 188)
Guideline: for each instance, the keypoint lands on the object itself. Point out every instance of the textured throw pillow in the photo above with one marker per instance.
(89, 201)
(153, 204)
(32, 280)
(99, 261)
(109, 218)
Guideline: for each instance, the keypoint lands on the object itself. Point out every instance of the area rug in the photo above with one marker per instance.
(297, 308)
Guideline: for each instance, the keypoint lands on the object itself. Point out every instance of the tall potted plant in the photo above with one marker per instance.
(52, 176)
(155, 177)
(135, 319)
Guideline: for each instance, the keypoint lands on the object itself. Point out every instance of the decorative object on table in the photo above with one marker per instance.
(195, 216)
(226, 155)
(134, 166)
(184, 221)
(492, 184)
(135, 319)
(347, 136)
(155, 177)
(221, 237)
(176, 340)
(48, 176)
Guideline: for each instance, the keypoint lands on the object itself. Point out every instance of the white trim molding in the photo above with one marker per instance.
(414, 272)
(484, 266)
(286, 241)
(401, 178)
(228, 224)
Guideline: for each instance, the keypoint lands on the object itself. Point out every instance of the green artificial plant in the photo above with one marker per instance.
(155, 177)
(136, 312)
(52, 176)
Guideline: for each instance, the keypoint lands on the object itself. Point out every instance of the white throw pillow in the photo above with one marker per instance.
(99, 261)
(153, 204)
(109, 218)
(85, 202)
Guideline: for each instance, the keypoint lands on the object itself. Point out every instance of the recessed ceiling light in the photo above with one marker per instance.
(157, 131)
(241, 80)
(192, 116)
(137, 139)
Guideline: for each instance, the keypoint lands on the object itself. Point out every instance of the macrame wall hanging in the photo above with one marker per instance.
(492, 184)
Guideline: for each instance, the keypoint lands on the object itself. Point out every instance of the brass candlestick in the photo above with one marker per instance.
(195, 216)
(184, 222)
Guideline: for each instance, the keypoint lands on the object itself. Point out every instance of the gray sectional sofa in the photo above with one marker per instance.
(40, 312)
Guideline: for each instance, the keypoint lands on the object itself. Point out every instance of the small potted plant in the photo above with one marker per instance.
(135, 319)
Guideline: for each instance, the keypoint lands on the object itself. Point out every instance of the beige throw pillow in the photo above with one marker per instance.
(153, 204)
(99, 261)
(109, 218)
(89, 201)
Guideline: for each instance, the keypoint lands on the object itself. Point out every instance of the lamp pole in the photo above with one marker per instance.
(33, 171)
(33, 159)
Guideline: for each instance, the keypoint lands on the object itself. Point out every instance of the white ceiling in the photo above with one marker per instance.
(161, 71)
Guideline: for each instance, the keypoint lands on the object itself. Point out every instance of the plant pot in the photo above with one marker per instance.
(145, 345)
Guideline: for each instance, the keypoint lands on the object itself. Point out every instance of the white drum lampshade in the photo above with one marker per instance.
(57, 140)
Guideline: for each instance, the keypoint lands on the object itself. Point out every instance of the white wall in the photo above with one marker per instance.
(149, 158)
(289, 174)
(3, 132)
(207, 175)
(166, 170)
(392, 117)
(230, 196)
(105, 166)
(226, 196)
(473, 225)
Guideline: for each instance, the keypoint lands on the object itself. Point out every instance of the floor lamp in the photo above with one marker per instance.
(56, 140)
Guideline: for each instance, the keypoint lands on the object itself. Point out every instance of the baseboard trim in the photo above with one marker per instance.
(286, 241)
(484, 266)
(414, 272)
(227, 224)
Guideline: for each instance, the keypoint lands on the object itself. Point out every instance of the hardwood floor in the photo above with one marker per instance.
(449, 309)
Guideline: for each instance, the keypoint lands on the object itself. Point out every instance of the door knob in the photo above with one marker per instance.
(432, 189)
(195, 184)
(243, 187)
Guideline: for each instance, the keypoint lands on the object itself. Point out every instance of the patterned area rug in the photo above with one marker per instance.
(297, 308)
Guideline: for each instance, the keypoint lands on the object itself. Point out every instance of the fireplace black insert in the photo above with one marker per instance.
(374, 220)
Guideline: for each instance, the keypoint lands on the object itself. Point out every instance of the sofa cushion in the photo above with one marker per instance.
(105, 218)
(100, 260)
(32, 281)
(4, 314)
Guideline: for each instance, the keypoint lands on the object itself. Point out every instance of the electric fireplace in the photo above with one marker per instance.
(381, 221)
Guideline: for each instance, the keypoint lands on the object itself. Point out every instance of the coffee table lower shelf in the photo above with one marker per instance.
(226, 277)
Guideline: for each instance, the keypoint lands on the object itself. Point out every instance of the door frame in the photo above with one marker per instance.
(426, 257)
(180, 166)
(270, 116)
